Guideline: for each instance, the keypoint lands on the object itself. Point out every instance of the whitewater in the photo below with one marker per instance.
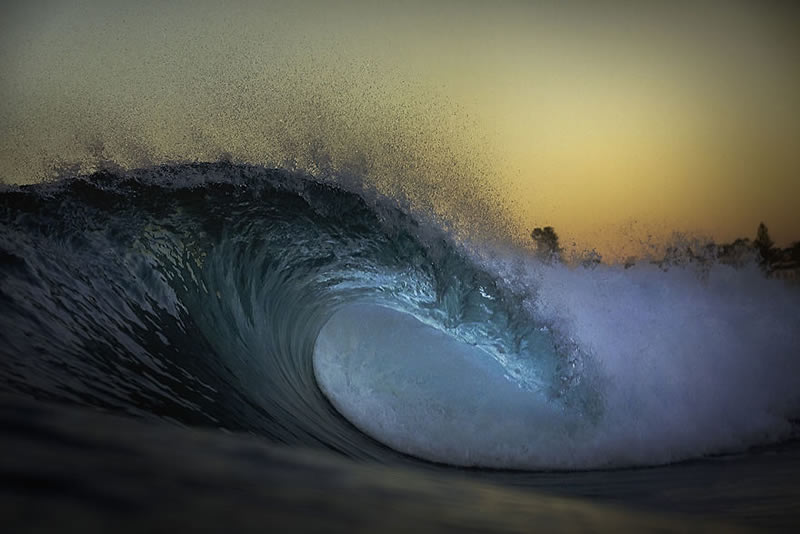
(313, 313)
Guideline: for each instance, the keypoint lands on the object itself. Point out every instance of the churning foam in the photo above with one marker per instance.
(683, 365)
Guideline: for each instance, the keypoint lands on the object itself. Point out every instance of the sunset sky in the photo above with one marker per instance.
(610, 121)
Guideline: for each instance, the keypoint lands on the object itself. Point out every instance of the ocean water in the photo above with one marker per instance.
(312, 315)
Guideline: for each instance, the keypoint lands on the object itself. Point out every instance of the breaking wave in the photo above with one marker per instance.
(270, 302)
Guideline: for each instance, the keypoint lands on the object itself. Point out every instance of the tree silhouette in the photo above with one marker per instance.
(764, 244)
(794, 251)
(546, 240)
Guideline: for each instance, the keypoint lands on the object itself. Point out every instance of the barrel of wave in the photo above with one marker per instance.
(425, 393)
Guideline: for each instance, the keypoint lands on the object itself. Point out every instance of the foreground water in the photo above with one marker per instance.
(264, 302)
(81, 471)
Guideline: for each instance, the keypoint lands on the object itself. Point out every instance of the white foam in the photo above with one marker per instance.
(685, 366)
(690, 365)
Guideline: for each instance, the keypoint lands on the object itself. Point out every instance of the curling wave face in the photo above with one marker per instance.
(267, 302)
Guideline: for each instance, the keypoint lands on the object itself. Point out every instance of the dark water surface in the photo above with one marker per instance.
(79, 470)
